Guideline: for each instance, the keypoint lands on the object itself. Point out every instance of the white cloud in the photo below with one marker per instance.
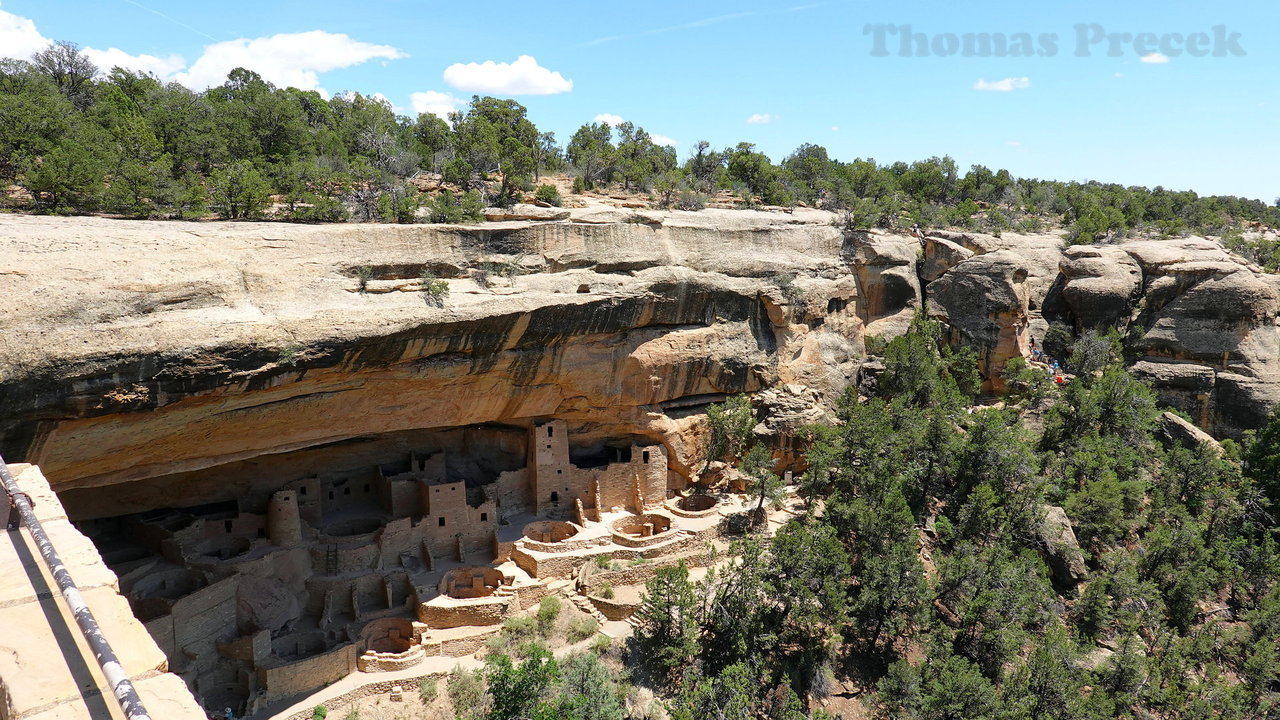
(1154, 58)
(835, 128)
(1006, 85)
(287, 59)
(522, 77)
(761, 119)
(394, 107)
(613, 120)
(434, 103)
(19, 37)
(1119, 75)
(1014, 143)
(162, 67)
(663, 140)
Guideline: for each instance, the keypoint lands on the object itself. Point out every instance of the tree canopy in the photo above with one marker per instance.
(82, 139)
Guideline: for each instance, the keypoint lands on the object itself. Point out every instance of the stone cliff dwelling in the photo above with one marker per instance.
(283, 590)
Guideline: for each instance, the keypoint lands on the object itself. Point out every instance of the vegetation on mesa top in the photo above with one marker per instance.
(75, 141)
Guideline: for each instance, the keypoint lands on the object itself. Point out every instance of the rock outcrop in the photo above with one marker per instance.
(143, 352)
(522, 211)
(1200, 321)
(986, 300)
(1060, 547)
(136, 352)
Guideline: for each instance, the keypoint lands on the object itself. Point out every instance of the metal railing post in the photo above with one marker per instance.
(125, 694)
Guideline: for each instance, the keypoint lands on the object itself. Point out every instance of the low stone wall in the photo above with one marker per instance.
(673, 506)
(529, 595)
(460, 646)
(591, 578)
(377, 687)
(612, 609)
(39, 675)
(388, 662)
(626, 530)
(554, 566)
(306, 675)
(564, 546)
(487, 611)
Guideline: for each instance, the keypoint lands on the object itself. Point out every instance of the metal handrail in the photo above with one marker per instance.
(124, 691)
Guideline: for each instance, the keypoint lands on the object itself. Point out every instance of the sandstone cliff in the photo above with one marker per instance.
(138, 351)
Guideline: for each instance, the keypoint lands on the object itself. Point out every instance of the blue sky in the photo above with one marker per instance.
(772, 73)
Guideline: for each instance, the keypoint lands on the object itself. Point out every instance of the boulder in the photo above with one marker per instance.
(1174, 430)
(265, 604)
(940, 255)
(1099, 285)
(1060, 547)
(787, 408)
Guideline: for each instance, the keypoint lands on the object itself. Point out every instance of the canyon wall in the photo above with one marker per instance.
(152, 354)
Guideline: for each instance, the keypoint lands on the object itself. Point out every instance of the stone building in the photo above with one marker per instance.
(271, 595)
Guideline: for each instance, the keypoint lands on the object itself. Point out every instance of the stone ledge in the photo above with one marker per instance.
(47, 671)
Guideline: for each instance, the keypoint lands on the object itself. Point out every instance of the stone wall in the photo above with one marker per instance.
(194, 627)
(296, 678)
(375, 687)
(488, 611)
(613, 609)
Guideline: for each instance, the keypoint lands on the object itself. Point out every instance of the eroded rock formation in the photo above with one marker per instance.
(136, 351)
(141, 352)
(1199, 322)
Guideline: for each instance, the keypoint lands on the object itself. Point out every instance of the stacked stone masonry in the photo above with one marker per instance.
(265, 598)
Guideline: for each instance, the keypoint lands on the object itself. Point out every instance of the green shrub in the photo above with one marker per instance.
(449, 208)
(579, 185)
(319, 209)
(606, 591)
(690, 200)
(466, 689)
(548, 613)
(601, 644)
(1026, 384)
(399, 205)
(581, 628)
(548, 194)
(319, 712)
(602, 562)
(364, 273)
(875, 344)
(289, 354)
(434, 289)
(428, 689)
(239, 191)
(520, 628)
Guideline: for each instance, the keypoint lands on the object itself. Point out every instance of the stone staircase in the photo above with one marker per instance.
(565, 589)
